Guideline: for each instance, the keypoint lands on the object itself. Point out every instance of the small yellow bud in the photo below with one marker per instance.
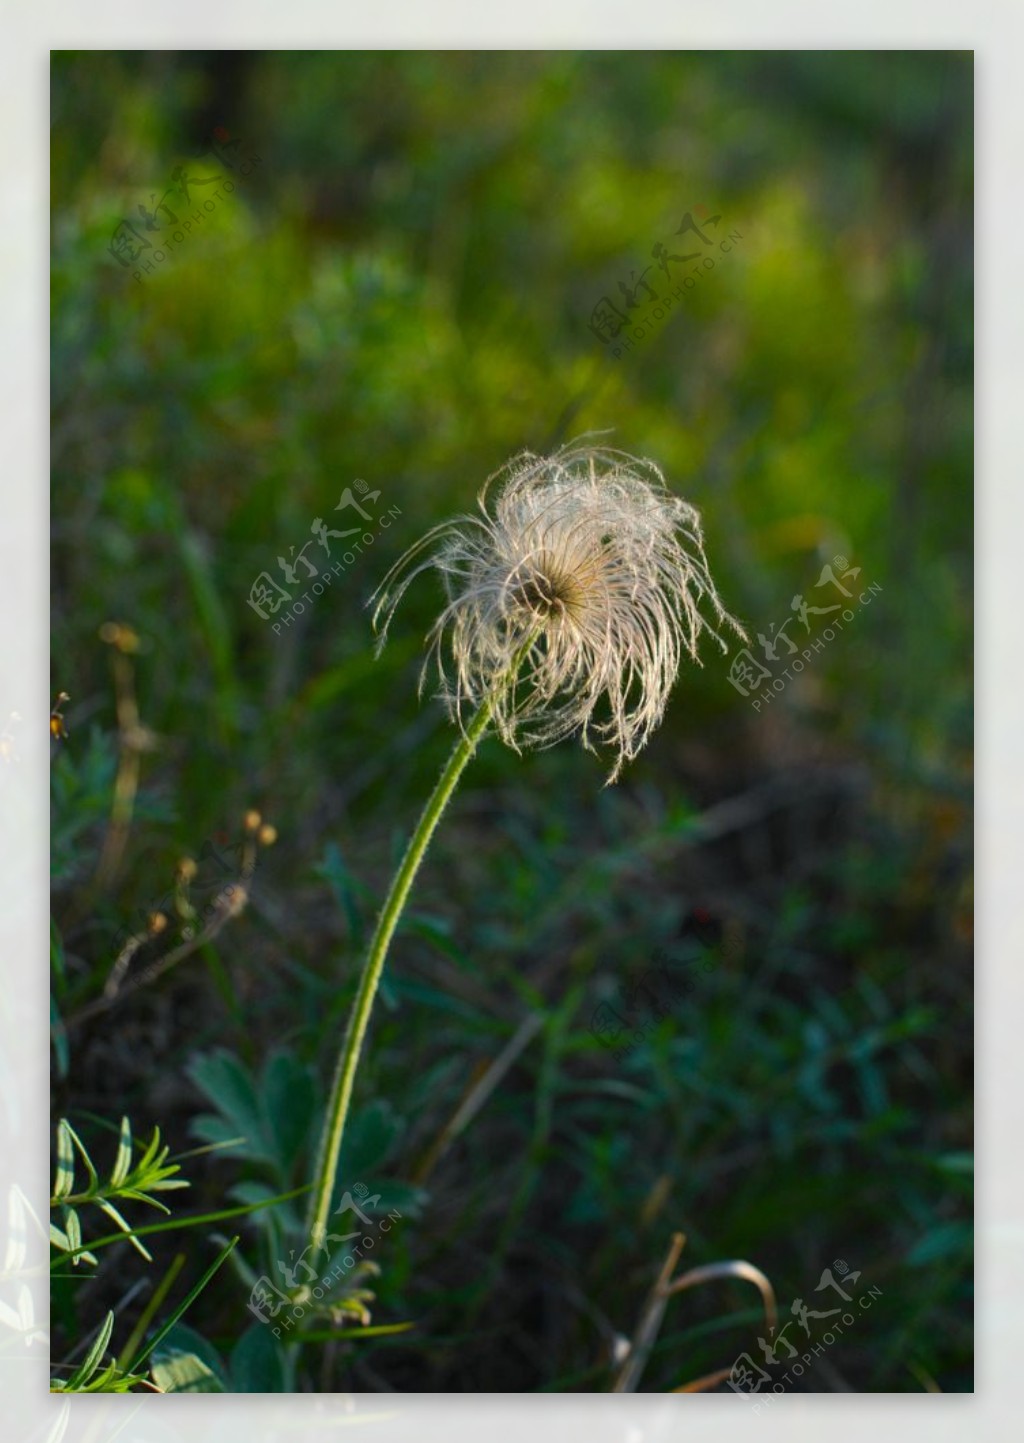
(157, 923)
(252, 820)
(267, 835)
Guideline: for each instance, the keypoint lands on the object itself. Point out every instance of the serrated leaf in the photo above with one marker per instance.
(218, 1131)
(250, 1190)
(123, 1160)
(228, 1085)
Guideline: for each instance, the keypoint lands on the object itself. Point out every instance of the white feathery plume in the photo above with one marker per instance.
(571, 599)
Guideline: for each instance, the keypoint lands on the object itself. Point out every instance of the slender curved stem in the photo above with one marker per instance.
(348, 1061)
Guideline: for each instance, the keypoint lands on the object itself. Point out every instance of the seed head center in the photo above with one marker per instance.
(543, 592)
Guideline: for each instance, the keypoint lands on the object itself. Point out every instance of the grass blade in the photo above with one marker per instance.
(178, 1312)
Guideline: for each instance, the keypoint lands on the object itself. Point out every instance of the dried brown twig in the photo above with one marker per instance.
(133, 738)
(665, 1287)
(228, 904)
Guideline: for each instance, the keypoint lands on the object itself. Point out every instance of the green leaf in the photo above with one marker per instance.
(124, 1155)
(83, 1154)
(197, 1219)
(371, 1135)
(65, 1180)
(137, 1195)
(151, 1166)
(343, 885)
(74, 1229)
(71, 1241)
(219, 1132)
(257, 1363)
(184, 1341)
(229, 1087)
(436, 931)
(92, 1359)
(289, 1097)
(408, 1199)
(251, 1190)
(105, 1205)
(59, 1239)
(939, 1242)
(175, 1372)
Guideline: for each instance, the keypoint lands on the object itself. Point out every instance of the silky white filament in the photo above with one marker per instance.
(571, 599)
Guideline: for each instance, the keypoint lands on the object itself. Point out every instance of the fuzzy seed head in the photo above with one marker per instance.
(572, 597)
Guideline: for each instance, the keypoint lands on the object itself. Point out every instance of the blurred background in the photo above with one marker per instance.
(394, 272)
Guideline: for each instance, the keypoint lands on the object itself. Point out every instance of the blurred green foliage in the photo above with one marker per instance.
(400, 291)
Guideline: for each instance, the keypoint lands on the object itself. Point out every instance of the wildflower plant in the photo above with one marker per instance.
(132, 1180)
(571, 600)
(581, 582)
